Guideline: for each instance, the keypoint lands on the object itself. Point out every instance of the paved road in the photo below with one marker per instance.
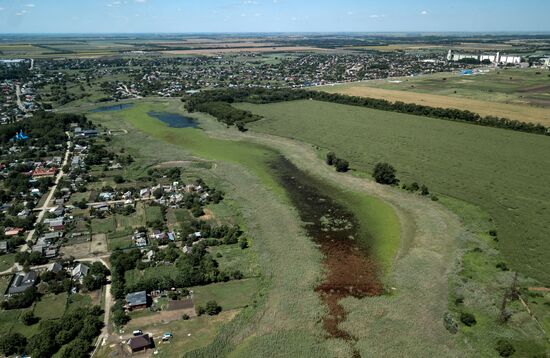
(45, 208)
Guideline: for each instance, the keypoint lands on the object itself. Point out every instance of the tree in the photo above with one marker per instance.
(200, 310)
(212, 308)
(76, 349)
(384, 173)
(244, 243)
(118, 179)
(331, 158)
(12, 343)
(468, 319)
(120, 318)
(28, 318)
(341, 165)
(424, 190)
(505, 348)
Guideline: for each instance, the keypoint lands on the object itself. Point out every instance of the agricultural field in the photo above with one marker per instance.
(505, 179)
(510, 93)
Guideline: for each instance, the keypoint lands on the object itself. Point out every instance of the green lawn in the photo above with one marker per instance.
(6, 261)
(51, 306)
(77, 301)
(118, 241)
(153, 213)
(234, 258)
(229, 295)
(499, 170)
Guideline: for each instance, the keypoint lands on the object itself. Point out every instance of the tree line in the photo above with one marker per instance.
(218, 104)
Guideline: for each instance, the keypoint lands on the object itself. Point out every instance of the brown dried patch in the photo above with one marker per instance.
(350, 269)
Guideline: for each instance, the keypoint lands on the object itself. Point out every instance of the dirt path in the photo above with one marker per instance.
(430, 234)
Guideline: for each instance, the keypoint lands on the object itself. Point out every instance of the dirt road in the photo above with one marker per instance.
(45, 208)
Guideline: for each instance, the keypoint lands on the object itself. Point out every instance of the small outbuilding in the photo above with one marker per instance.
(140, 343)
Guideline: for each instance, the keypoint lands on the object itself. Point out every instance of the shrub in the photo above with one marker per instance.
(200, 310)
(28, 318)
(468, 319)
(450, 323)
(243, 244)
(331, 158)
(341, 165)
(505, 348)
(502, 266)
(384, 173)
(212, 308)
(185, 317)
(424, 190)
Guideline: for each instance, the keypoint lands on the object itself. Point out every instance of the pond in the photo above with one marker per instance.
(115, 107)
(174, 120)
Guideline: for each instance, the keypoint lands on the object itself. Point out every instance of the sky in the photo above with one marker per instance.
(192, 16)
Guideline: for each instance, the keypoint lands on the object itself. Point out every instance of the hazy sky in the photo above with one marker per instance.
(37, 16)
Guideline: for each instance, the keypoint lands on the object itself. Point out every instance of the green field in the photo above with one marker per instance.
(234, 258)
(51, 306)
(501, 171)
(6, 261)
(229, 295)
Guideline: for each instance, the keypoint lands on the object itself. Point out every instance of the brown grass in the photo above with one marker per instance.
(518, 112)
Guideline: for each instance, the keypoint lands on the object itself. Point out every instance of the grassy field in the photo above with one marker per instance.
(516, 94)
(229, 295)
(6, 261)
(51, 306)
(234, 258)
(500, 171)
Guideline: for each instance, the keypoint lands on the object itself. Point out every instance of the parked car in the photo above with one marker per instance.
(137, 332)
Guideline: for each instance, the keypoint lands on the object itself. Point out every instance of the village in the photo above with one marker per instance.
(72, 210)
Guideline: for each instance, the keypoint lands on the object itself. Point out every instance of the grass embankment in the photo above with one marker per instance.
(515, 94)
(286, 315)
(500, 171)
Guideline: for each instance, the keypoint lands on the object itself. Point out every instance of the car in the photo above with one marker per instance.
(137, 332)
(167, 336)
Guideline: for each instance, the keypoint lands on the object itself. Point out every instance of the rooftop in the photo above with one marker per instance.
(136, 298)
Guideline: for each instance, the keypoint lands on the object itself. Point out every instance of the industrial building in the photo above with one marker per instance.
(493, 58)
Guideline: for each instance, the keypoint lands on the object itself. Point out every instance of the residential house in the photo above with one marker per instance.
(137, 300)
(21, 282)
(42, 172)
(79, 272)
(55, 267)
(105, 196)
(57, 211)
(13, 231)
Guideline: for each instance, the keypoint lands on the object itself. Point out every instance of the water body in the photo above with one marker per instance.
(115, 107)
(174, 120)
(350, 269)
